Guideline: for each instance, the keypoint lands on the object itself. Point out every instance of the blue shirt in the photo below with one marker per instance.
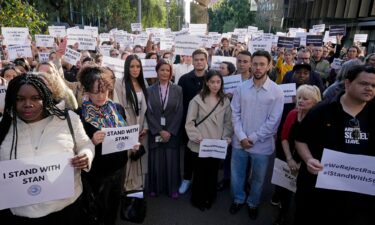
(256, 114)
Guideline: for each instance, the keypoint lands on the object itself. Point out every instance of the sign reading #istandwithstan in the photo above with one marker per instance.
(337, 30)
(120, 139)
(286, 42)
(71, 56)
(347, 172)
(231, 83)
(44, 40)
(213, 148)
(19, 51)
(34, 180)
(283, 176)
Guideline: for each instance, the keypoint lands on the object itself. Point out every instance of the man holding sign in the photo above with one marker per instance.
(344, 124)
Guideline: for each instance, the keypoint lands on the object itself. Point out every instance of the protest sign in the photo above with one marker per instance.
(319, 28)
(296, 42)
(15, 35)
(72, 56)
(43, 57)
(86, 43)
(337, 63)
(34, 180)
(104, 37)
(328, 38)
(93, 30)
(120, 139)
(231, 83)
(302, 36)
(136, 27)
(117, 65)
(46, 41)
(217, 60)
(335, 30)
(347, 172)
(19, 51)
(186, 44)
(259, 44)
(148, 67)
(315, 40)
(166, 43)
(104, 49)
(197, 29)
(213, 148)
(360, 38)
(57, 31)
(141, 39)
(286, 42)
(289, 92)
(282, 176)
(3, 91)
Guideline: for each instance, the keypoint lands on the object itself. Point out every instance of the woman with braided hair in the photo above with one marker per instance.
(33, 126)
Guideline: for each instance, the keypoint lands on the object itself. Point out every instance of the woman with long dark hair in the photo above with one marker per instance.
(208, 117)
(131, 93)
(34, 126)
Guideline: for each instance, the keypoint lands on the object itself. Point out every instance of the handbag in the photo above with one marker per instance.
(133, 204)
(88, 200)
(197, 124)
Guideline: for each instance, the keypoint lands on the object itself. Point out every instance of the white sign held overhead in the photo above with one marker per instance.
(46, 41)
(85, 43)
(34, 180)
(136, 27)
(57, 31)
(43, 57)
(120, 139)
(186, 44)
(257, 44)
(117, 65)
(93, 30)
(360, 38)
(198, 29)
(319, 28)
(15, 35)
(72, 56)
(19, 51)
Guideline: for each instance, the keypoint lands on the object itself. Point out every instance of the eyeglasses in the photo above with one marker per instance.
(356, 132)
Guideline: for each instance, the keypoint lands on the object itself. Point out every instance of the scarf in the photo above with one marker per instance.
(105, 116)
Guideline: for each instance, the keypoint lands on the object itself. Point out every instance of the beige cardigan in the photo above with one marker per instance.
(217, 126)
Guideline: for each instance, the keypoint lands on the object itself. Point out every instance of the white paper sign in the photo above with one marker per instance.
(141, 40)
(283, 177)
(85, 43)
(148, 67)
(319, 28)
(289, 92)
(117, 65)
(217, 60)
(93, 30)
(43, 56)
(72, 56)
(136, 27)
(3, 91)
(186, 44)
(197, 29)
(347, 172)
(44, 40)
(19, 51)
(328, 38)
(120, 139)
(213, 148)
(231, 83)
(256, 45)
(104, 49)
(15, 35)
(34, 180)
(166, 43)
(104, 37)
(337, 63)
(360, 38)
(57, 31)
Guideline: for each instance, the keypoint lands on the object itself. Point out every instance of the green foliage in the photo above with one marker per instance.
(225, 15)
(17, 13)
(176, 16)
(153, 13)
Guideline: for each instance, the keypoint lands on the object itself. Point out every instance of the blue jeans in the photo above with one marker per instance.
(239, 164)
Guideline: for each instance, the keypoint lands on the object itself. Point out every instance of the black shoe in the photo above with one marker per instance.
(235, 207)
(222, 185)
(253, 212)
(275, 200)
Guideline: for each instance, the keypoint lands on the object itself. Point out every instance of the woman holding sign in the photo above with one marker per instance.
(98, 112)
(164, 117)
(34, 128)
(208, 117)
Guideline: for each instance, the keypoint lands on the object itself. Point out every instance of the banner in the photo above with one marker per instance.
(120, 139)
(34, 180)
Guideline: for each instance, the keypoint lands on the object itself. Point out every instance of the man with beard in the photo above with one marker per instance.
(257, 106)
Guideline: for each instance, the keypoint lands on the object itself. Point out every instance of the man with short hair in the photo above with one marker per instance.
(319, 64)
(191, 84)
(344, 124)
(243, 64)
(225, 49)
(257, 106)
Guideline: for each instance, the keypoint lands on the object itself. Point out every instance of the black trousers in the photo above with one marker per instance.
(188, 163)
(205, 173)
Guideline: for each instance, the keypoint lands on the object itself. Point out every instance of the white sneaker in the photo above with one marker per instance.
(184, 186)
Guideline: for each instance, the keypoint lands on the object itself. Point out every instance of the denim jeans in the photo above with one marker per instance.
(240, 162)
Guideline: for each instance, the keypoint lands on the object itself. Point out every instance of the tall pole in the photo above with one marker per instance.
(139, 11)
(167, 2)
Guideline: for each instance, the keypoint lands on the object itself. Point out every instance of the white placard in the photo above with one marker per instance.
(148, 67)
(289, 92)
(141, 39)
(319, 28)
(34, 180)
(136, 27)
(105, 49)
(205, 41)
(198, 29)
(74, 34)
(3, 91)
(166, 43)
(347, 172)
(43, 57)
(360, 38)
(15, 35)
(104, 37)
(85, 43)
(46, 41)
(141, 55)
(256, 45)
(57, 31)
(117, 65)
(93, 30)
(19, 51)
(186, 44)
(213, 148)
(215, 39)
(72, 56)
(252, 29)
(231, 83)
(302, 36)
(283, 176)
(120, 139)
(328, 38)
(217, 60)
(337, 63)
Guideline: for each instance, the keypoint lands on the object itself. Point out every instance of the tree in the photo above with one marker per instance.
(176, 16)
(225, 15)
(17, 13)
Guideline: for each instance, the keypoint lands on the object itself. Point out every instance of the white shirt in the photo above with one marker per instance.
(181, 69)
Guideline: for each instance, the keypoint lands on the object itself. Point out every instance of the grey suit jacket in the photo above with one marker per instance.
(172, 113)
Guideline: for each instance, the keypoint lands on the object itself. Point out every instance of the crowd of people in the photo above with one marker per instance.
(53, 107)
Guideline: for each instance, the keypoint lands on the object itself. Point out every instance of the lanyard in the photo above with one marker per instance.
(163, 101)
